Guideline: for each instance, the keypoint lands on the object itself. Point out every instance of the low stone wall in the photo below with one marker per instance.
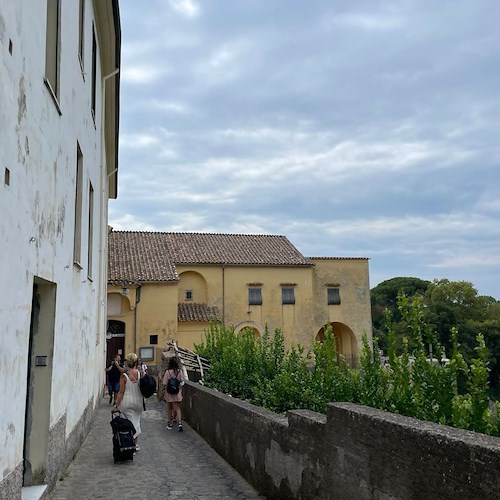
(353, 452)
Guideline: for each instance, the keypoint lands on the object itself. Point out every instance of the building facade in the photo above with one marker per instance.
(169, 286)
(59, 109)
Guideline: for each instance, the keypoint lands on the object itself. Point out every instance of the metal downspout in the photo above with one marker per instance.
(137, 300)
(223, 293)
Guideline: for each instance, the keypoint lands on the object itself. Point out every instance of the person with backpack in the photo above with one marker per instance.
(173, 382)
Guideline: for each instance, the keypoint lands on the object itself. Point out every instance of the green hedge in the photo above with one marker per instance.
(264, 372)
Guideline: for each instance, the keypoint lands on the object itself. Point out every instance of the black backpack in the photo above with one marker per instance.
(173, 384)
(147, 385)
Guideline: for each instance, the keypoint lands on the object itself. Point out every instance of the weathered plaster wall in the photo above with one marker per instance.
(37, 206)
(294, 320)
(227, 288)
(352, 276)
(353, 452)
(152, 310)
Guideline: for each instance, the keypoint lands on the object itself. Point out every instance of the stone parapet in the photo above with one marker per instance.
(352, 452)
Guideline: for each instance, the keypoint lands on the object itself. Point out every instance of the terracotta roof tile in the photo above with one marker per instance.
(152, 256)
(338, 258)
(190, 311)
(139, 257)
(233, 249)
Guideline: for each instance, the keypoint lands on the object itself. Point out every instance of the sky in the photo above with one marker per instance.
(365, 128)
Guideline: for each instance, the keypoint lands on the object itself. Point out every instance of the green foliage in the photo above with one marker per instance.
(384, 297)
(446, 305)
(332, 379)
(373, 383)
(452, 392)
(235, 360)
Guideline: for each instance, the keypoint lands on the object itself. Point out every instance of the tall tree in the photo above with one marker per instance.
(384, 298)
(447, 305)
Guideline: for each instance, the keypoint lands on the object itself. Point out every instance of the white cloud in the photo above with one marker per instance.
(371, 22)
(223, 64)
(490, 201)
(462, 261)
(166, 153)
(358, 128)
(187, 8)
(129, 222)
(426, 229)
(142, 73)
(177, 108)
(137, 141)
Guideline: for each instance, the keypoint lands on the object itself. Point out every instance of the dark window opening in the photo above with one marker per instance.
(333, 296)
(77, 238)
(81, 31)
(153, 339)
(288, 295)
(90, 242)
(52, 47)
(255, 296)
(94, 73)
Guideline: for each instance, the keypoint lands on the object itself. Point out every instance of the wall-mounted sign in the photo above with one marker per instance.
(41, 361)
(146, 352)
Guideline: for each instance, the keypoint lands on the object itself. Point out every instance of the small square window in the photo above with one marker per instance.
(255, 296)
(287, 295)
(153, 339)
(189, 295)
(333, 296)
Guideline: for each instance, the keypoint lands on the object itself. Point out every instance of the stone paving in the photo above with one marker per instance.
(170, 465)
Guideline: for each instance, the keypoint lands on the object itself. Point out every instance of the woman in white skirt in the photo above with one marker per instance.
(130, 400)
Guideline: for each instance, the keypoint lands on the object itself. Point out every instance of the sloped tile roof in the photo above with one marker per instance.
(139, 257)
(338, 258)
(152, 256)
(233, 249)
(190, 311)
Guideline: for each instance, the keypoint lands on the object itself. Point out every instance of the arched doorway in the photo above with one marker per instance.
(345, 340)
(115, 340)
(249, 325)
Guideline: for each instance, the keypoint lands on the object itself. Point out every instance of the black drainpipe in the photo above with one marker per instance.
(137, 300)
(223, 293)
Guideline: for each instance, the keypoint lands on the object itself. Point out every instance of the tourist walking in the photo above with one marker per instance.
(173, 382)
(130, 400)
(114, 370)
(143, 367)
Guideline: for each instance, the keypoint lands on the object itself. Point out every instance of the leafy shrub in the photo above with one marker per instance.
(264, 372)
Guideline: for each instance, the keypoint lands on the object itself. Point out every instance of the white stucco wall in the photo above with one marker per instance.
(37, 210)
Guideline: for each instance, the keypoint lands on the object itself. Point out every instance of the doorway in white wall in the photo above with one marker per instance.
(39, 380)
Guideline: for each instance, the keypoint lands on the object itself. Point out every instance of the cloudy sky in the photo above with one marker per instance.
(355, 128)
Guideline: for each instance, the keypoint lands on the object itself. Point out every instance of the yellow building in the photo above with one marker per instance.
(169, 286)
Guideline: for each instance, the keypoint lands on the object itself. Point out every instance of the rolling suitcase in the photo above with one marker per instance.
(123, 437)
